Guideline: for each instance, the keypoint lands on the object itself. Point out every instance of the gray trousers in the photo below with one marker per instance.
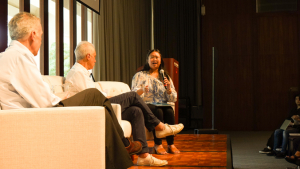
(115, 153)
(138, 114)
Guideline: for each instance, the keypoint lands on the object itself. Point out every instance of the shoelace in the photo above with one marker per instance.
(170, 128)
(153, 159)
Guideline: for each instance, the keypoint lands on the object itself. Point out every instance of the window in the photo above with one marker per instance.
(78, 22)
(13, 9)
(66, 37)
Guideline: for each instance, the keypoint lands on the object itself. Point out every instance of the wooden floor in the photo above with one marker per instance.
(201, 151)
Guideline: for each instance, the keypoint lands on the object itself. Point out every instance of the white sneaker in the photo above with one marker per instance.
(151, 161)
(169, 130)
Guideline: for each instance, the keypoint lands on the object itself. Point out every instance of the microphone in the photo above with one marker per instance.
(162, 72)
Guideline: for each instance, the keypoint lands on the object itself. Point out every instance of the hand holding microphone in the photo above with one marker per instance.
(165, 79)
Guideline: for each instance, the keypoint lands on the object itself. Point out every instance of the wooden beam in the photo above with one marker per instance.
(73, 30)
(83, 23)
(44, 50)
(24, 6)
(59, 17)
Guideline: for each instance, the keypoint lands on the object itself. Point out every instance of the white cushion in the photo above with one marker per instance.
(54, 80)
(55, 83)
(112, 88)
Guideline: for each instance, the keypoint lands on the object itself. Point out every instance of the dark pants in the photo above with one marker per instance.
(138, 114)
(116, 156)
(165, 115)
(282, 137)
(270, 142)
(296, 144)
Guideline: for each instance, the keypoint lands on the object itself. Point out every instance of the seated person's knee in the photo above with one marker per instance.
(136, 111)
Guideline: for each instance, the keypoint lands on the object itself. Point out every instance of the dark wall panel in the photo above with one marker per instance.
(228, 28)
(258, 61)
(276, 66)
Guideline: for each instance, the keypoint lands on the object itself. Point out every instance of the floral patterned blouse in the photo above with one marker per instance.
(157, 92)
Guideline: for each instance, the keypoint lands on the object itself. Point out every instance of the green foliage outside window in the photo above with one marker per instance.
(52, 59)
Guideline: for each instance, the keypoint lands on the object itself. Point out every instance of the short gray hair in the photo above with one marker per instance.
(82, 49)
(22, 24)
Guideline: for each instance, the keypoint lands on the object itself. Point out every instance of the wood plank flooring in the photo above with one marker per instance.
(198, 151)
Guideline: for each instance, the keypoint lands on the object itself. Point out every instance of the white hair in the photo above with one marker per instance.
(22, 24)
(82, 49)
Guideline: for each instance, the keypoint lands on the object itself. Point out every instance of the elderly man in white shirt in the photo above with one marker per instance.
(133, 107)
(21, 86)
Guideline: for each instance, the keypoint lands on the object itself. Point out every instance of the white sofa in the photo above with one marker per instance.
(59, 137)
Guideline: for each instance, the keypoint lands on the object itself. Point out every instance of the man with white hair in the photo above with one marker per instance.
(22, 86)
(133, 107)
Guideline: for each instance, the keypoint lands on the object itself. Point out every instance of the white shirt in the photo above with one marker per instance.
(21, 83)
(157, 92)
(79, 79)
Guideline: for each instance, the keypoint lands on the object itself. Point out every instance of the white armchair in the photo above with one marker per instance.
(58, 137)
(51, 138)
(56, 84)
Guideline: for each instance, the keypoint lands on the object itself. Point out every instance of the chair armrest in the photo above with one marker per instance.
(60, 137)
(125, 125)
(117, 110)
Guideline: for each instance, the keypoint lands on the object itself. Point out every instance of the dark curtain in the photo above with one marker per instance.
(177, 35)
(124, 39)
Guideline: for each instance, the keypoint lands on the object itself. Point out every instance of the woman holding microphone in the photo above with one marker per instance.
(155, 87)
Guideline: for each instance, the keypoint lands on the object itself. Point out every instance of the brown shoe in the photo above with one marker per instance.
(134, 147)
